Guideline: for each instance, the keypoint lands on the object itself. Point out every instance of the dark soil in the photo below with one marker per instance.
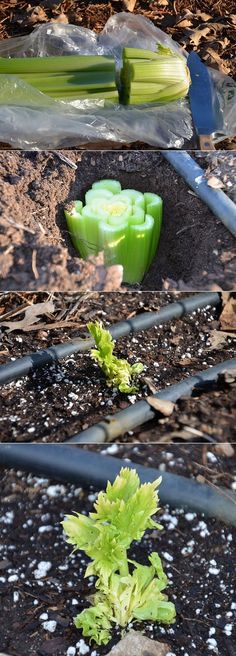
(180, 19)
(196, 251)
(56, 402)
(198, 554)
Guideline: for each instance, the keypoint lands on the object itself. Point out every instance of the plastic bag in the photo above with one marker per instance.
(40, 122)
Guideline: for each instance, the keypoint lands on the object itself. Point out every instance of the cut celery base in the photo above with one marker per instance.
(124, 224)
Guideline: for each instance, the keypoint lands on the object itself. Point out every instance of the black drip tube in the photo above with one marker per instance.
(75, 465)
(23, 366)
(134, 415)
(219, 203)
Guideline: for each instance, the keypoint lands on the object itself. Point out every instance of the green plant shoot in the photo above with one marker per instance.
(125, 590)
(119, 373)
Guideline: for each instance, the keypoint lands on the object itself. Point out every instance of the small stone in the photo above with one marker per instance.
(136, 644)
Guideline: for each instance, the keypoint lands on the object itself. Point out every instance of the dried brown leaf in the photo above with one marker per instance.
(215, 182)
(32, 314)
(129, 4)
(185, 23)
(62, 18)
(225, 449)
(161, 405)
(229, 376)
(151, 386)
(203, 16)
(228, 315)
(198, 34)
(218, 339)
(37, 15)
(216, 58)
(227, 256)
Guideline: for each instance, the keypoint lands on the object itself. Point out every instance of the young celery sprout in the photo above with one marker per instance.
(125, 590)
(119, 373)
(125, 224)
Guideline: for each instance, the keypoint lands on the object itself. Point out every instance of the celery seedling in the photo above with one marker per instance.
(125, 224)
(123, 594)
(119, 373)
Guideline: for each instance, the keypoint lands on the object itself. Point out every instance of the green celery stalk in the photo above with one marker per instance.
(154, 207)
(135, 196)
(56, 64)
(92, 229)
(138, 250)
(139, 53)
(97, 194)
(67, 78)
(111, 185)
(77, 228)
(138, 216)
(113, 239)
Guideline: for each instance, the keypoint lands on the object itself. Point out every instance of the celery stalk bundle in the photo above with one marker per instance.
(67, 77)
(148, 76)
(125, 224)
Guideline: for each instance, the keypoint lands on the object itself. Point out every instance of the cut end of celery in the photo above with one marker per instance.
(123, 223)
(149, 77)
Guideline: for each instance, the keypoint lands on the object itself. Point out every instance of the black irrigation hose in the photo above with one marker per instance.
(75, 465)
(219, 203)
(134, 415)
(23, 366)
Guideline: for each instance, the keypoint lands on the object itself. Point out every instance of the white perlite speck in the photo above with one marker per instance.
(167, 556)
(55, 490)
(211, 457)
(190, 516)
(83, 648)
(228, 629)
(13, 578)
(212, 631)
(71, 651)
(111, 449)
(8, 517)
(16, 596)
(50, 626)
(212, 645)
(45, 529)
(214, 571)
(43, 616)
(43, 568)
